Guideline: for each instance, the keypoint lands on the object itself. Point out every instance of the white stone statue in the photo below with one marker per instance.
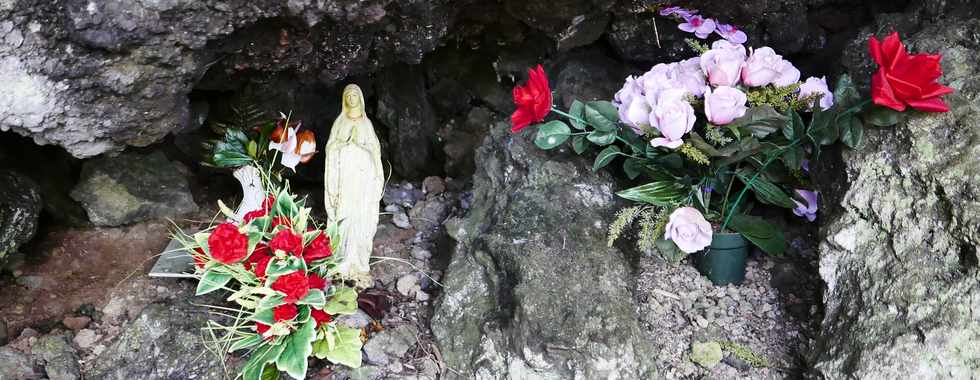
(353, 185)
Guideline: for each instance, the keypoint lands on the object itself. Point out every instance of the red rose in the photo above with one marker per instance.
(252, 215)
(284, 312)
(294, 285)
(533, 100)
(906, 79)
(260, 253)
(287, 241)
(318, 249)
(320, 316)
(261, 328)
(317, 282)
(227, 245)
(200, 258)
(260, 266)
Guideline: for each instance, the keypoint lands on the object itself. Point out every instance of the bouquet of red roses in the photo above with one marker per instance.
(278, 265)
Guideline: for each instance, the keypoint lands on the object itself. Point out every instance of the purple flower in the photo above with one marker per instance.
(700, 26)
(805, 165)
(681, 12)
(808, 210)
(731, 33)
(817, 86)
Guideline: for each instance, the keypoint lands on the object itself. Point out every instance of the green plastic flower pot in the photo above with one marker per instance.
(724, 261)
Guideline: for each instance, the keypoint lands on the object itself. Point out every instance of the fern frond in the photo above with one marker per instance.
(624, 218)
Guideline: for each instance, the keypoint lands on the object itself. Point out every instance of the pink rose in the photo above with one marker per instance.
(762, 67)
(788, 74)
(688, 230)
(673, 117)
(724, 105)
(814, 86)
(688, 74)
(722, 65)
(637, 114)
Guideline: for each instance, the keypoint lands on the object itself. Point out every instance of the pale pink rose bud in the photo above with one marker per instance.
(788, 74)
(761, 68)
(688, 74)
(724, 104)
(673, 118)
(817, 86)
(722, 66)
(688, 229)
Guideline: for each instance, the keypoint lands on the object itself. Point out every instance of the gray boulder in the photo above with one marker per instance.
(899, 254)
(58, 357)
(20, 207)
(133, 187)
(16, 365)
(164, 342)
(94, 77)
(532, 291)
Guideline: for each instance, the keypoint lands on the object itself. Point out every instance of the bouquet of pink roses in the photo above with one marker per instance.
(716, 135)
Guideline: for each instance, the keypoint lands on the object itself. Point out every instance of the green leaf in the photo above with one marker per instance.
(633, 167)
(578, 144)
(270, 372)
(793, 157)
(596, 113)
(265, 314)
(297, 349)
(767, 192)
(271, 301)
(578, 110)
(659, 193)
(760, 121)
(601, 138)
(285, 206)
(344, 301)
(695, 139)
(278, 267)
(851, 131)
(822, 128)
(605, 157)
(347, 347)
(669, 251)
(793, 128)
(314, 298)
(606, 108)
(201, 238)
(248, 341)
(212, 280)
(266, 353)
(763, 234)
(551, 134)
(846, 94)
(882, 116)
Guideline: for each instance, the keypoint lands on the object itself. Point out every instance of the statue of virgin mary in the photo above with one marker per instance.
(353, 185)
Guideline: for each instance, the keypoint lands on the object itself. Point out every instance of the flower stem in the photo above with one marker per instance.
(748, 185)
(583, 121)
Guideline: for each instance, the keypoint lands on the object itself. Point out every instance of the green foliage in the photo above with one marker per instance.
(763, 234)
(552, 134)
(233, 147)
(694, 154)
(624, 218)
(766, 191)
(344, 301)
(343, 347)
(744, 353)
(297, 347)
(213, 279)
(717, 136)
(658, 193)
(605, 157)
(698, 46)
(780, 98)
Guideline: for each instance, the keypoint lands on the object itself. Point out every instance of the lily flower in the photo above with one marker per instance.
(296, 147)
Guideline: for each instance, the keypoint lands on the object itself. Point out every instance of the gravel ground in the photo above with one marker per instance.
(681, 309)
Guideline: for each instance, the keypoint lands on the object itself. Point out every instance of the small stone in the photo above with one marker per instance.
(433, 186)
(421, 254)
(390, 345)
(407, 285)
(707, 354)
(395, 366)
(76, 323)
(400, 220)
(28, 333)
(86, 338)
(422, 296)
(358, 320)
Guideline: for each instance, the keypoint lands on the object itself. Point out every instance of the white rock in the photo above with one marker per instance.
(407, 285)
(85, 338)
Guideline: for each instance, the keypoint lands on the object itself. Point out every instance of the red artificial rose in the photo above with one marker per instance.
(317, 282)
(252, 215)
(320, 316)
(287, 241)
(533, 100)
(261, 328)
(260, 252)
(200, 258)
(318, 249)
(284, 312)
(260, 266)
(227, 245)
(294, 285)
(904, 78)
(269, 201)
